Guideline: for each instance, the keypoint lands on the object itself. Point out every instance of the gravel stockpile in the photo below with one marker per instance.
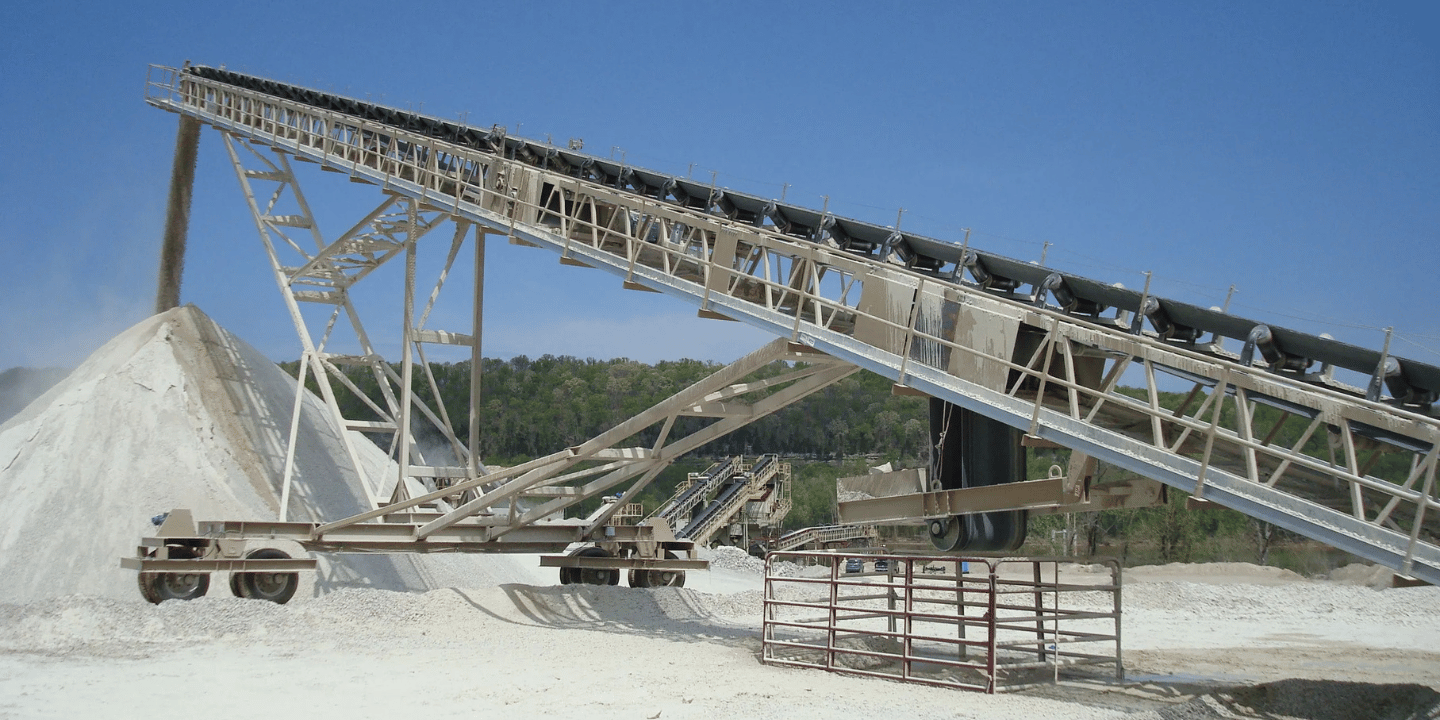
(729, 557)
(178, 413)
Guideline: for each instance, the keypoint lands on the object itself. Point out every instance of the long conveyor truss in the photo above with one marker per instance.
(1035, 349)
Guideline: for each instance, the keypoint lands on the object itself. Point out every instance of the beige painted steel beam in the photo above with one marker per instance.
(945, 503)
(617, 563)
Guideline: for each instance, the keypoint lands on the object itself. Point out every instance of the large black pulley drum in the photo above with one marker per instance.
(971, 450)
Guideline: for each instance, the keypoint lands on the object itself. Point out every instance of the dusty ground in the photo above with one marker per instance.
(1196, 643)
(176, 412)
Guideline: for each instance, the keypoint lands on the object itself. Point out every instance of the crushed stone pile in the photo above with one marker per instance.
(1402, 607)
(1367, 574)
(737, 560)
(176, 412)
(730, 557)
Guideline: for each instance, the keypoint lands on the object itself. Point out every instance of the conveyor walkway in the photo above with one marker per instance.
(728, 503)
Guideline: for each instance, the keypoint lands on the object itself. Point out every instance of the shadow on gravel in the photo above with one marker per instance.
(662, 612)
(1309, 700)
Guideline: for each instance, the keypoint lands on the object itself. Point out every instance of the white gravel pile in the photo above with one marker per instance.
(730, 557)
(178, 413)
(509, 651)
(351, 617)
(1374, 576)
(1403, 607)
(734, 559)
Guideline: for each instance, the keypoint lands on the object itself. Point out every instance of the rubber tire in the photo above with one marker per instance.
(668, 578)
(158, 587)
(658, 578)
(275, 587)
(567, 576)
(596, 577)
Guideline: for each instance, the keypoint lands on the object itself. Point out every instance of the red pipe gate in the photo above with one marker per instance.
(975, 623)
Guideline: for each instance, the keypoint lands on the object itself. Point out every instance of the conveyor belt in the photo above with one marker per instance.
(1034, 348)
(732, 487)
(701, 488)
(826, 534)
(1415, 382)
(726, 504)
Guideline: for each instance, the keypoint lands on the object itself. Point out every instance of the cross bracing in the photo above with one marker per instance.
(948, 321)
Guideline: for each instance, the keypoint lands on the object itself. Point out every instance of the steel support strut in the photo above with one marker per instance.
(550, 485)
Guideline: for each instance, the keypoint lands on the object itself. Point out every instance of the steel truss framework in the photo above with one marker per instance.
(825, 536)
(1048, 369)
(769, 499)
(762, 498)
(758, 481)
(464, 506)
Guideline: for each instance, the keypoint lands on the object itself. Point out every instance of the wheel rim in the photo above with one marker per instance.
(950, 533)
(666, 578)
(277, 587)
(180, 585)
(595, 576)
(269, 584)
(159, 587)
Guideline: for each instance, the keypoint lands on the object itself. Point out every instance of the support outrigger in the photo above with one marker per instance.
(519, 509)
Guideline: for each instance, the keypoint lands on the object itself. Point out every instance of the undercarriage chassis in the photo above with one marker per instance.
(176, 563)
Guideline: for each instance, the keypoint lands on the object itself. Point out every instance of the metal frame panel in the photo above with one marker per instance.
(982, 623)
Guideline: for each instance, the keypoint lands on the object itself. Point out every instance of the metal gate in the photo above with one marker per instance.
(976, 623)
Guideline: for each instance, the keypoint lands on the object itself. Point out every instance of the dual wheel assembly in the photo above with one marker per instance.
(638, 578)
(277, 587)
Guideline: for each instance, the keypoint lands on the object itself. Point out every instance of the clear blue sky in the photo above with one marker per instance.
(1289, 148)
